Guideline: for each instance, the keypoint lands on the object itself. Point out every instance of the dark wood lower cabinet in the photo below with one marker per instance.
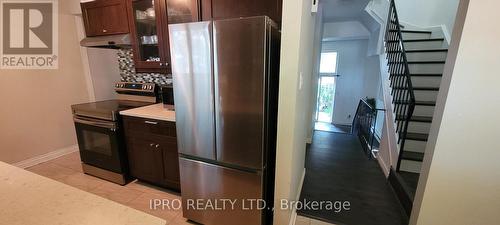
(145, 160)
(171, 163)
(152, 152)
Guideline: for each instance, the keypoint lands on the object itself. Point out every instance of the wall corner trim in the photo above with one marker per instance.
(293, 217)
(46, 157)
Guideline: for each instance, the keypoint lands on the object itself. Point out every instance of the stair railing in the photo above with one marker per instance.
(402, 88)
(364, 125)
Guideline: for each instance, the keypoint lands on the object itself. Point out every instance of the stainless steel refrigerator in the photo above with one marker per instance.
(225, 75)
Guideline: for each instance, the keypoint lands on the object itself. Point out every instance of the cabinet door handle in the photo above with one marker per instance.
(151, 122)
(151, 145)
(104, 30)
(157, 145)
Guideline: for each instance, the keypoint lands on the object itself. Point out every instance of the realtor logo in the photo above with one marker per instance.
(29, 34)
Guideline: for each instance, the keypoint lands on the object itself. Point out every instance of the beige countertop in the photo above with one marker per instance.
(27, 198)
(157, 112)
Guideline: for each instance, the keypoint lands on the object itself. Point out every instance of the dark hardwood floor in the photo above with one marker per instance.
(337, 169)
(322, 126)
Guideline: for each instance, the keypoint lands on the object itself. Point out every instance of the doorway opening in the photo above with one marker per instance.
(326, 97)
(327, 82)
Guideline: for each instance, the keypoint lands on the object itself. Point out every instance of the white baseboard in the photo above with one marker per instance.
(46, 157)
(293, 218)
(383, 165)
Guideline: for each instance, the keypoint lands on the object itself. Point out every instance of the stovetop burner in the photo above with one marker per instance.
(106, 110)
(131, 95)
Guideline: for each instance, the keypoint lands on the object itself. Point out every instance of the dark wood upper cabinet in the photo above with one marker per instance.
(224, 9)
(149, 21)
(149, 32)
(183, 11)
(105, 17)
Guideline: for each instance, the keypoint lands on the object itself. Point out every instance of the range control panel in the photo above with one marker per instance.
(139, 87)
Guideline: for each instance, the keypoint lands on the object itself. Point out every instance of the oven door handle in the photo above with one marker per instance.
(107, 125)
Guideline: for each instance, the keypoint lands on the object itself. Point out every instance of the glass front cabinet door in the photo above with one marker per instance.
(149, 30)
(149, 21)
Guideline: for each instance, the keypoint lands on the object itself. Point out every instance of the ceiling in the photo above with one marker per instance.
(343, 10)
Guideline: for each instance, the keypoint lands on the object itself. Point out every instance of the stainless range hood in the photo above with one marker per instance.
(109, 41)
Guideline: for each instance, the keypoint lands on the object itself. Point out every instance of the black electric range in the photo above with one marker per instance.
(99, 130)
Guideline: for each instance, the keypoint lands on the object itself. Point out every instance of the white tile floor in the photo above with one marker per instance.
(68, 170)
(307, 221)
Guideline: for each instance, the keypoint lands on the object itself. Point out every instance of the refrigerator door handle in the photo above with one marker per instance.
(219, 164)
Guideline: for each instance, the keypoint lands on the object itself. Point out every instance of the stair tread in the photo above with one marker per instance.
(428, 39)
(412, 31)
(427, 50)
(427, 74)
(427, 103)
(414, 156)
(417, 31)
(424, 119)
(418, 88)
(420, 50)
(417, 136)
(410, 181)
(427, 62)
(422, 74)
(419, 40)
(420, 62)
(405, 193)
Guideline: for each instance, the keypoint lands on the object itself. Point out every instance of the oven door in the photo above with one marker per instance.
(99, 143)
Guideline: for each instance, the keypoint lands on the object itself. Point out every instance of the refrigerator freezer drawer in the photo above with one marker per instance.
(211, 184)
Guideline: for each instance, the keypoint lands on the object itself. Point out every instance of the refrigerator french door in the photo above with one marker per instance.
(225, 75)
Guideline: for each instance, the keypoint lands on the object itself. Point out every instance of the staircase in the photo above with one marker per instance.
(416, 61)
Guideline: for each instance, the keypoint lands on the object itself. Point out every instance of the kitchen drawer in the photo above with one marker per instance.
(149, 126)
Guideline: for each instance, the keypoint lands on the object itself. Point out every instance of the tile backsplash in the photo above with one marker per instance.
(128, 74)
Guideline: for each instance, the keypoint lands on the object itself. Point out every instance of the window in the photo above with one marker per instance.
(328, 63)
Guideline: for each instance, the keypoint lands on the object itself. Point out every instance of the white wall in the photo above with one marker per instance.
(345, 30)
(100, 66)
(460, 181)
(359, 77)
(36, 117)
(74, 6)
(379, 10)
(318, 43)
(104, 72)
(428, 13)
(296, 70)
